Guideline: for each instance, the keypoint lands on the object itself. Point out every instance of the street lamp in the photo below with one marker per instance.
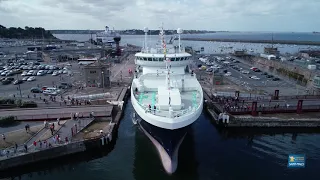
(102, 80)
(19, 86)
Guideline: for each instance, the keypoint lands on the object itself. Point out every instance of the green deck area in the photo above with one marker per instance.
(194, 99)
(143, 96)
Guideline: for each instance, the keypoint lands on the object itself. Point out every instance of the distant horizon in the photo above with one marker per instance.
(227, 31)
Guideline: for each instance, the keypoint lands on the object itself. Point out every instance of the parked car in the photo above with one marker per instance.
(228, 74)
(40, 73)
(17, 82)
(5, 82)
(55, 73)
(276, 79)
(25, 78)
(65, 86)
(32, 78)
(245, 72)
(9, 79)
(269, 76)
(35, 90)
(264, 73)
(254, 77)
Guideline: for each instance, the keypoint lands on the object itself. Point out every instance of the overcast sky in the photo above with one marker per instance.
(231, 15)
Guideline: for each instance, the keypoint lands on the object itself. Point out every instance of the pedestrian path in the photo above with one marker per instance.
(54, 113)
(65, 130)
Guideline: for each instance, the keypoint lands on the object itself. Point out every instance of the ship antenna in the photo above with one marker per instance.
(145, 37)
(167, 60)
(179, 31)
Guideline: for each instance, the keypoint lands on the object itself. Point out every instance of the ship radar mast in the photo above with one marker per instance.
(179, 31)
(145, 37)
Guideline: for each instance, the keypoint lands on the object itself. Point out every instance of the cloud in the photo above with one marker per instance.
(237, 15)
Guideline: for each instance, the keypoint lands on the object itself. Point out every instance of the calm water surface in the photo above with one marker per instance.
(205, 154)
(215, 47)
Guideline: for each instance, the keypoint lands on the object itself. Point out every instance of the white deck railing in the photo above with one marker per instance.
(160, 50)
(175, 113)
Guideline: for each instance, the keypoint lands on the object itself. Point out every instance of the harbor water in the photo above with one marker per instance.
(206, 153)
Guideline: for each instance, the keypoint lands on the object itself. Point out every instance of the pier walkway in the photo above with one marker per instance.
(241, 105)
(63, 130)
(42, 114)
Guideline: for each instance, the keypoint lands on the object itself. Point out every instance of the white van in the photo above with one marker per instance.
(51, 91)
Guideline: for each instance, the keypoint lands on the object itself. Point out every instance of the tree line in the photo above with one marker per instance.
(26, 33)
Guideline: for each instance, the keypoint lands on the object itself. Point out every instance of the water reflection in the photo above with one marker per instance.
(147, 164)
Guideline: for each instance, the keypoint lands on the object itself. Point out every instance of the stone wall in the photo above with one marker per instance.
(272, 66)
(42, 155)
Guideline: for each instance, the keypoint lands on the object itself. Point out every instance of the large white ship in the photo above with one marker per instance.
(107, 36)
(166, 96)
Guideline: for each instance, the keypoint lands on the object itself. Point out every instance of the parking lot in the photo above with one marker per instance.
(250, 78)
(40, 80)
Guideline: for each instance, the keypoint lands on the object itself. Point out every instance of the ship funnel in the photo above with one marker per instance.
(107, 28)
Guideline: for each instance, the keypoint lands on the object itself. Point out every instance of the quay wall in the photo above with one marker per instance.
(272, 66)
(255, 121)
(254, 41)
(106, 140)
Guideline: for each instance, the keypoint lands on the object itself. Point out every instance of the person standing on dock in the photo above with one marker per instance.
(15, 147)
(54, 140)
(35, 144)
(45, 144)
(51, 129)
(40, 144)
(28, 127)
(58, 121)
(25, 147)
(45, 124)
(4, 137)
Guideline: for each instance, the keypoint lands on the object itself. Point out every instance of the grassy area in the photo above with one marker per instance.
(20, 136)
(92, 131)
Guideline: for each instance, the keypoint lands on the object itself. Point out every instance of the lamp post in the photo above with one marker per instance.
(102, 81)
(19, 86)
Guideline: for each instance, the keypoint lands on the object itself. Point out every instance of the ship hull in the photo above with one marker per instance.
(167, 143)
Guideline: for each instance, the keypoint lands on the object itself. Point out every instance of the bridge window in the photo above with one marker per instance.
(173, 59)
(149, 59)
(145, 59)
(93, 72)
(155, 59)
(160, 59)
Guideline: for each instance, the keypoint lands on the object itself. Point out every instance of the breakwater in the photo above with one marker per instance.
(255, 41)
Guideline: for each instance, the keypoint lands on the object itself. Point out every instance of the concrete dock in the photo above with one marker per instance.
(274, 117)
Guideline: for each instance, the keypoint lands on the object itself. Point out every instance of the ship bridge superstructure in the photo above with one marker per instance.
(165, 92)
